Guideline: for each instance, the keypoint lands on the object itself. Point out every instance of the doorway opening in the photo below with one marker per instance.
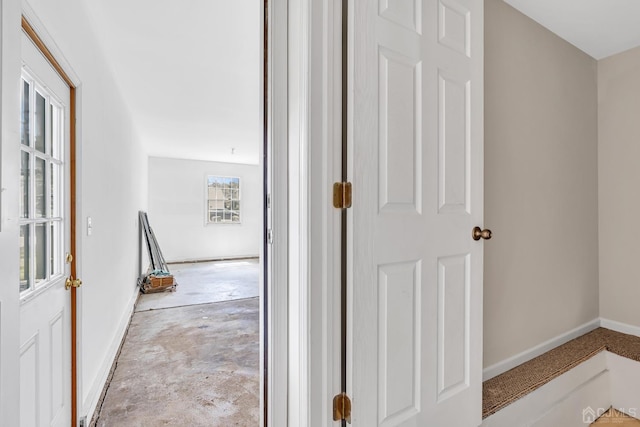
(112, 174)
(195, 355)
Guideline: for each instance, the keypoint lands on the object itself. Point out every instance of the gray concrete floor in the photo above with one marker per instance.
(191, 365)
(205, 282)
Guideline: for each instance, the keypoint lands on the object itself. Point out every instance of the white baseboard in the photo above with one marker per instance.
(91, 402)
(620, 327)
(212, 259)
(518, 359)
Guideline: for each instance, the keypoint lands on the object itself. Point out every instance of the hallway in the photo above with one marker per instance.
(191, 357)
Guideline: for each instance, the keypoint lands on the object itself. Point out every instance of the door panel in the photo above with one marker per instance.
(45, 321)
(453, 145)
(453, 325)
(415, 308)
(399, 354)
(400, 133)
(29, 384)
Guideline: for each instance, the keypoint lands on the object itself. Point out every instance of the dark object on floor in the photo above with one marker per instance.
(158, 282)
(158, 277)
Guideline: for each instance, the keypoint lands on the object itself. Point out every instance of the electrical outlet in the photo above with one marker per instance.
(83, 422)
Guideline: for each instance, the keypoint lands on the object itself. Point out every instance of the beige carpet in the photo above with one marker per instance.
(512, 385)
(616, 418)
(188, 366)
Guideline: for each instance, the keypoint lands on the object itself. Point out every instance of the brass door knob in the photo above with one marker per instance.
(478, 233)
(72, 283)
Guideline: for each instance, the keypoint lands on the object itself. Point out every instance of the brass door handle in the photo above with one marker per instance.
(478, 233)
(72, 283)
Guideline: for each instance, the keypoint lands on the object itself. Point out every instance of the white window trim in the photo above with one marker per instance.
(206, 200)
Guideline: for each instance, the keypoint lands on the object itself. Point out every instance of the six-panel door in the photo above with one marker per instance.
(416, 274)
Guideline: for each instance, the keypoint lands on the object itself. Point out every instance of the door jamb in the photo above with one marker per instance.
(299, 228)
(310, 73)
(276, 107)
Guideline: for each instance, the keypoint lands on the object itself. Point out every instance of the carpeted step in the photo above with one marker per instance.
(516, 383)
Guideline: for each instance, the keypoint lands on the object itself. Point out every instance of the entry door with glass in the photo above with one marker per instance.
(45, 319)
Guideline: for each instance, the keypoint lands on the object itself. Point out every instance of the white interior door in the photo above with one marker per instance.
(45, 323)
(416, 90)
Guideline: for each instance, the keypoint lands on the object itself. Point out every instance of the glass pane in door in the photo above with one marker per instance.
(54, 185)
(40, 119)
(25, 174)
(40, 181)
(25, 281)
(41, 252)
(56, 132)
(24, 114)
(54, 245)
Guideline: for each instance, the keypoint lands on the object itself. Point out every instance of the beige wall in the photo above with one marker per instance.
(541, 267)
(619, 186)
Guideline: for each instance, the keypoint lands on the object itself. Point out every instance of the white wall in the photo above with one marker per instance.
(10, 157)
(177, 203)
(111, 186)
(619, 178)
(541, 185)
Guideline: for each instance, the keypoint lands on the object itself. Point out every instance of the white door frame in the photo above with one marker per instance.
(305, 129)
(277, 309)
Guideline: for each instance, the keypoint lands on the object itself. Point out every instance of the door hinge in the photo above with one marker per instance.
(342, 195)
(342, 408)
(270, 236)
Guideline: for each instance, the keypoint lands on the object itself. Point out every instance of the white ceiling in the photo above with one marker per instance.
(190, 73)
(600, 28)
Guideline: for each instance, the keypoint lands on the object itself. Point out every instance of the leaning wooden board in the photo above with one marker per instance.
(158, 277)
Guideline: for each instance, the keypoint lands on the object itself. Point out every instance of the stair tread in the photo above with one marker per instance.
(506, 388)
